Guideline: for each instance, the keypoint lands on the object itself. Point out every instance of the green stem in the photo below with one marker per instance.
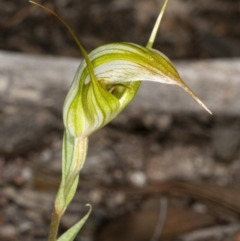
(73, 157)
(54, 225)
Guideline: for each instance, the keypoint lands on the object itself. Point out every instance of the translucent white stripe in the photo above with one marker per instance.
(113, 48)
(120, 71)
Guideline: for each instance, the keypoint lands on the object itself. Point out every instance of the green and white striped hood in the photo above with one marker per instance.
(119, 69)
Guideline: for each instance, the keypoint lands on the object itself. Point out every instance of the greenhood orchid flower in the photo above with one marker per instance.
(119, 69)
(106, 81)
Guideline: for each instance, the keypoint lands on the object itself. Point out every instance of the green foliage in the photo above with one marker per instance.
(73, 231)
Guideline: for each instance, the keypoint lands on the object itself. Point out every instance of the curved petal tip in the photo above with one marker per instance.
(189, 91)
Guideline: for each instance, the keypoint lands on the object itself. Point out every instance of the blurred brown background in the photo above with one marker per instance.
(163, 162)
(190, 29)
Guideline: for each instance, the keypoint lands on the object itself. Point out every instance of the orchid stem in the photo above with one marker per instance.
(56, 217)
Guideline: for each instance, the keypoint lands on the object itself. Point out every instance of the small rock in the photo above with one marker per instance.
(8, 232)
(25, 227)
(46, 155)
(149, 119)
(96, 196)
(116, 199)
(200, 208)
(138, 178)
(179, 162)
(226, 140)
(164, 122)
(26, 174)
